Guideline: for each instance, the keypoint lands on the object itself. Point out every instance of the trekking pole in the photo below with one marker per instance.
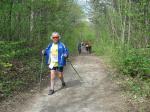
(41, 71)
(75, 70)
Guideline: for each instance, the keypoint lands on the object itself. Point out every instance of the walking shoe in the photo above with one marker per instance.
(63, 85)
(51, 92)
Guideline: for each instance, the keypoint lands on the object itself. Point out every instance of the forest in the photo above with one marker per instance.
(118, 29)
(122, 29)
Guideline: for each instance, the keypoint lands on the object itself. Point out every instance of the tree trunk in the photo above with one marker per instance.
(10, 21)
(31, 20)
(129, 24)
(123, 22)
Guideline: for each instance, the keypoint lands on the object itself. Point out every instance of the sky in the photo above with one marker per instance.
(84, 5)
(82, 1)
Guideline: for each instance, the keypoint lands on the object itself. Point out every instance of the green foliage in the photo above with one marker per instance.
(15, 71)
(122, 28)
(9, 51)
(138, 87)
(136, 65)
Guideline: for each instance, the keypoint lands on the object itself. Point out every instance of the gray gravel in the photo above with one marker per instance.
(97, 92)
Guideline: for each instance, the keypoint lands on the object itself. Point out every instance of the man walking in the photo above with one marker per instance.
(56, 54)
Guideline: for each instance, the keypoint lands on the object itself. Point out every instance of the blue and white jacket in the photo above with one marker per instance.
(62, 50)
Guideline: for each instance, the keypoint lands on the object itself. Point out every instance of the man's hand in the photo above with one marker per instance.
(43, 51)
(65, 55)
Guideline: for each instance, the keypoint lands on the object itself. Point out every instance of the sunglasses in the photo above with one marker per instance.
(55, 37)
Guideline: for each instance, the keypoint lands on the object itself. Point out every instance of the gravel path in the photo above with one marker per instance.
(97, 92)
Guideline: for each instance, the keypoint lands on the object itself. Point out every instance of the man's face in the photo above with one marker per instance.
(55, 39)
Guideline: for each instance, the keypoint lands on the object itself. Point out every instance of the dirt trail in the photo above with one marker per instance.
(96, 94)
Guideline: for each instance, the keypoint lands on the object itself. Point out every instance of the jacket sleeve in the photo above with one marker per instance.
(46, 50)
(66, 51)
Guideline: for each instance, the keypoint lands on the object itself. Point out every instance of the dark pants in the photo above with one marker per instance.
(79, 50)
(59, 69)
(88, 49)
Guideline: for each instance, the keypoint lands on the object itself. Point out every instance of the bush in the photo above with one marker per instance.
(19, 67)
(136, 65)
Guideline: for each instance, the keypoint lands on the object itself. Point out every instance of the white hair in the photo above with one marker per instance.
(55, 33)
